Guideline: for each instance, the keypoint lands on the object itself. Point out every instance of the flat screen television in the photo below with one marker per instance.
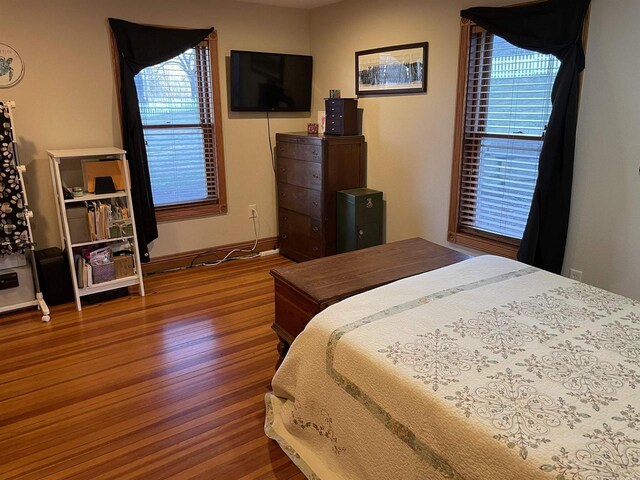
(270, 82)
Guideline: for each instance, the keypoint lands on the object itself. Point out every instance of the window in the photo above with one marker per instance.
(179, 105)
(504, 107)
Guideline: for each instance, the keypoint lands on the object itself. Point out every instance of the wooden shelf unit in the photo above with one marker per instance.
(69, 162)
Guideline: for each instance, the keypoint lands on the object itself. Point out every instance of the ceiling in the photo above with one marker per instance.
(306, 4)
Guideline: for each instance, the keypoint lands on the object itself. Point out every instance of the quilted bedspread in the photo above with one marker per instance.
(487, 369)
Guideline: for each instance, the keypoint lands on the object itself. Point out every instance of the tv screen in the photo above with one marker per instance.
(270, 82)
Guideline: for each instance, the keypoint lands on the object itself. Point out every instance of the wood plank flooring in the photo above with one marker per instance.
(167, 386)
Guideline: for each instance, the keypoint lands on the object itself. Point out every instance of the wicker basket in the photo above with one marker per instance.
(123, 266)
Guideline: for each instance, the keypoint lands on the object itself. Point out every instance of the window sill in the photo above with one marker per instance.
(184, 212)
(486, 245)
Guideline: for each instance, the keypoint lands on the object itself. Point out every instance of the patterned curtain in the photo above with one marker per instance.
(14, 232)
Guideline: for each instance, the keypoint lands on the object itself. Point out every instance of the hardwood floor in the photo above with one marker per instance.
(167, 386)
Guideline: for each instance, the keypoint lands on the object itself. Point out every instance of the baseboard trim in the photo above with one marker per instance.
(178, 260)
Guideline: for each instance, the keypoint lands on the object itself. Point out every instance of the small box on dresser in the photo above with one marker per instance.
(341, 116)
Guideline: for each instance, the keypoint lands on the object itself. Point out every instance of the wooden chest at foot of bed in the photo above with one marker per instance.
(305, 289)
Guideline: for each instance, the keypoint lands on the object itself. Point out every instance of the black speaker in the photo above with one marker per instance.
(104, 185)
(54, 276)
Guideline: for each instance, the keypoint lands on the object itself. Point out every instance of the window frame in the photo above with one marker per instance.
(459, 234)
(206, 207)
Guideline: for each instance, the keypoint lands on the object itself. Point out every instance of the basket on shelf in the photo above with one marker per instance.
(121, 228)
(103, 273)
(123, 266)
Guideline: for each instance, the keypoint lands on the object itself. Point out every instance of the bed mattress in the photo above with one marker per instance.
(486, 369)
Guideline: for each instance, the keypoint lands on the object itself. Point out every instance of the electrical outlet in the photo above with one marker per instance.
(253, 211)
(575, 275)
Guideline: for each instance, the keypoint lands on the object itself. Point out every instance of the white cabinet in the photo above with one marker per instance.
(66, 173)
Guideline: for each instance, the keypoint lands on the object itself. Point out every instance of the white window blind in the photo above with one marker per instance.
(508, 103)
(175, 99)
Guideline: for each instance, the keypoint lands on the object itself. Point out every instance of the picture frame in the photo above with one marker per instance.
(395, 70)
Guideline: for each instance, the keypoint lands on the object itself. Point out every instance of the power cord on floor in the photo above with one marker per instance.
(252, 253)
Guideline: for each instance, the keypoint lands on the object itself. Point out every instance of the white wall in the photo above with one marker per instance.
(604, 233)
(67, 99)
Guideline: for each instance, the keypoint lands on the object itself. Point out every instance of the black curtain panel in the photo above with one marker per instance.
(551, 27)
(138, 47)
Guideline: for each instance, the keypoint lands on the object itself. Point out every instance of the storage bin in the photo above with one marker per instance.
(121, 228)
(359, 219)
(78, 224)
(123, 266)
(103, 273)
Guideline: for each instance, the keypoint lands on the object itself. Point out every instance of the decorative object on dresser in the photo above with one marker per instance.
(359, 219)
(96, 227)
(310, 172)
(303, 290)
(312, 128)
(399, 69)
(341, 116)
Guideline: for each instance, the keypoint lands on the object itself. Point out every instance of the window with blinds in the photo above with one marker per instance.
(507, 103)
(178, 118)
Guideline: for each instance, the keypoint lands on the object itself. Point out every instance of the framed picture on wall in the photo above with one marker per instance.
(400, 69)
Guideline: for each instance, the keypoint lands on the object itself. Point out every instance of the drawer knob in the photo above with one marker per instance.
(283, 169)
(315, 175)
(315, 204)
(284, 235)
(315, 153)
(360, 233)
(315, 249)
(285, 218)
(283, 195)
(315, 229)
(369, 203)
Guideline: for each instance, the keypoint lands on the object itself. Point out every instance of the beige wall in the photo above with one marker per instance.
(67, 100)
(604, 233)
(409, 137)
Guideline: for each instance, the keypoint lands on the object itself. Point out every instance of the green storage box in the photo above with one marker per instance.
(359, 219)
(121, 228)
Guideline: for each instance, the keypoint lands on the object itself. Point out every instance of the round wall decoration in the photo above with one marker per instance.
(11, 66)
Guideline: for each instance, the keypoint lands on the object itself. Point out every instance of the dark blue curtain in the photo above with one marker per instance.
(551, 27)
(140, 46)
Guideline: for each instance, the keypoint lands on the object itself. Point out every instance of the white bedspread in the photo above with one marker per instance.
(487, 369)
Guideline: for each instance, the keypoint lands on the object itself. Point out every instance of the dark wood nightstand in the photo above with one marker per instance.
(305, 289)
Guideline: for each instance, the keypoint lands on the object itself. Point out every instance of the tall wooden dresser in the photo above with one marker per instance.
(311, 169)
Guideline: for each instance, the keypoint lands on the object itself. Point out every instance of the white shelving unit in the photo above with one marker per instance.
(67, 165)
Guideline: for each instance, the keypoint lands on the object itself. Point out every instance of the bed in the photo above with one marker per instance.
(486, 369)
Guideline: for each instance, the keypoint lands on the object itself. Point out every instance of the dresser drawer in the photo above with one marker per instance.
(299, 233)
(299, 151)
(299, 250)
(299, 224)
(334, 124)
(333, 107)
(302, 174)
(298, 199)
